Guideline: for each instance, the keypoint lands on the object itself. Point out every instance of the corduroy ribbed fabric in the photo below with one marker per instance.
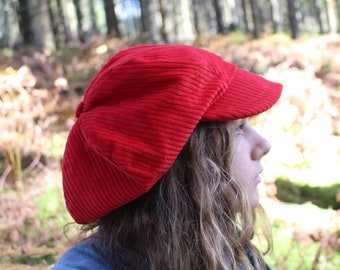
(137, 114)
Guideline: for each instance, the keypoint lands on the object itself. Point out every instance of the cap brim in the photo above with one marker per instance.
(247, 95)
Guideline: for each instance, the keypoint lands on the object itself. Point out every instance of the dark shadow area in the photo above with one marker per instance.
(324, 196)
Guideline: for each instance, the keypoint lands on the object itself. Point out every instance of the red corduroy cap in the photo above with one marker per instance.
(138, 113)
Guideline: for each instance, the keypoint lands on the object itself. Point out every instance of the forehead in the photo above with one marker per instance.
(237, 122)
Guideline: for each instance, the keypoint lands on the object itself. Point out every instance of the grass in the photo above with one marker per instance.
(56, 145)
(303, 236)
(49, 204)
(35, 259)
(291, 254)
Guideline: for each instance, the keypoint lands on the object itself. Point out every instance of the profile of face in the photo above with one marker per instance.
(248, 149)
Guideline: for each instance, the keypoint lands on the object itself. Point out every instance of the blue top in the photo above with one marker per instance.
(88, 255)
(85, 256)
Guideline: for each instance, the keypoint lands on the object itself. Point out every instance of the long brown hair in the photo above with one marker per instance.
(186, 221)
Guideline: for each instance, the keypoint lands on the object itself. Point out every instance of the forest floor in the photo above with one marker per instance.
(301, 187)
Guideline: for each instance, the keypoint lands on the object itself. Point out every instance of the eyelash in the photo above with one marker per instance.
(240, 127)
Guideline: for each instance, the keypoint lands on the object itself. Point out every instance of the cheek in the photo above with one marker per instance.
(237, 163)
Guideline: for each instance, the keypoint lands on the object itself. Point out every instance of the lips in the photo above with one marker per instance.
(257, 180)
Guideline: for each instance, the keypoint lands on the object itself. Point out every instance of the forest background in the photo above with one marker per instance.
(50, 50)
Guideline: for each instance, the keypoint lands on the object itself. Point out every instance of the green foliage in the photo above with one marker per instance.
(260, 68)
(48, 204)
(51, 210)
(31, 260)
(325, 69)
(238, 37)
(66, 54)
(6, 52)
(55, 145)
(35, 260)
(323, 196)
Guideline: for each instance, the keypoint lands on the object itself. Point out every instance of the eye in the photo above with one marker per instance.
(240, 126)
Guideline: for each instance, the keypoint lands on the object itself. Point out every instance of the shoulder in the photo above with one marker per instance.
(251, 258)
(86, 255)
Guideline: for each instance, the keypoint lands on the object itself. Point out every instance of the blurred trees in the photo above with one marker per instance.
(51, 24)
(33, 23)
(293, 23)
(111, 18)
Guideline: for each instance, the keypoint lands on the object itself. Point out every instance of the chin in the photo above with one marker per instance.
(254, 202)
(254, 205)
(254, 198)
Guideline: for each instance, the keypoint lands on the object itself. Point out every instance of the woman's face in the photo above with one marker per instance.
(249, 148)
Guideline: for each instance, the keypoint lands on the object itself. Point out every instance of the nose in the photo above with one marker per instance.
(261, 147)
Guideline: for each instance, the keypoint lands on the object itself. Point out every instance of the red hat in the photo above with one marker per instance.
(137, 114)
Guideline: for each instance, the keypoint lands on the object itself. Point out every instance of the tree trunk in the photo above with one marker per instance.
(256, 18)
(111, 19)
(146, 21)
(317, 13)
(94, 28)
(331, 18)
(338, 13)
(177, 19)
(202, 16)
(25, 23)
(4, 41)
(195, 8)
(41, 25)
(184, 21)
(245, 16)
(64, 30)
(292, 19)
(163, 12)
(275, 15)
(34, 24)
(54, 23)
(221, 29)
(79, 13)
(231, 16)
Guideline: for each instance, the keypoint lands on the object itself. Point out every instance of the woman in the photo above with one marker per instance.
(162, 165)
